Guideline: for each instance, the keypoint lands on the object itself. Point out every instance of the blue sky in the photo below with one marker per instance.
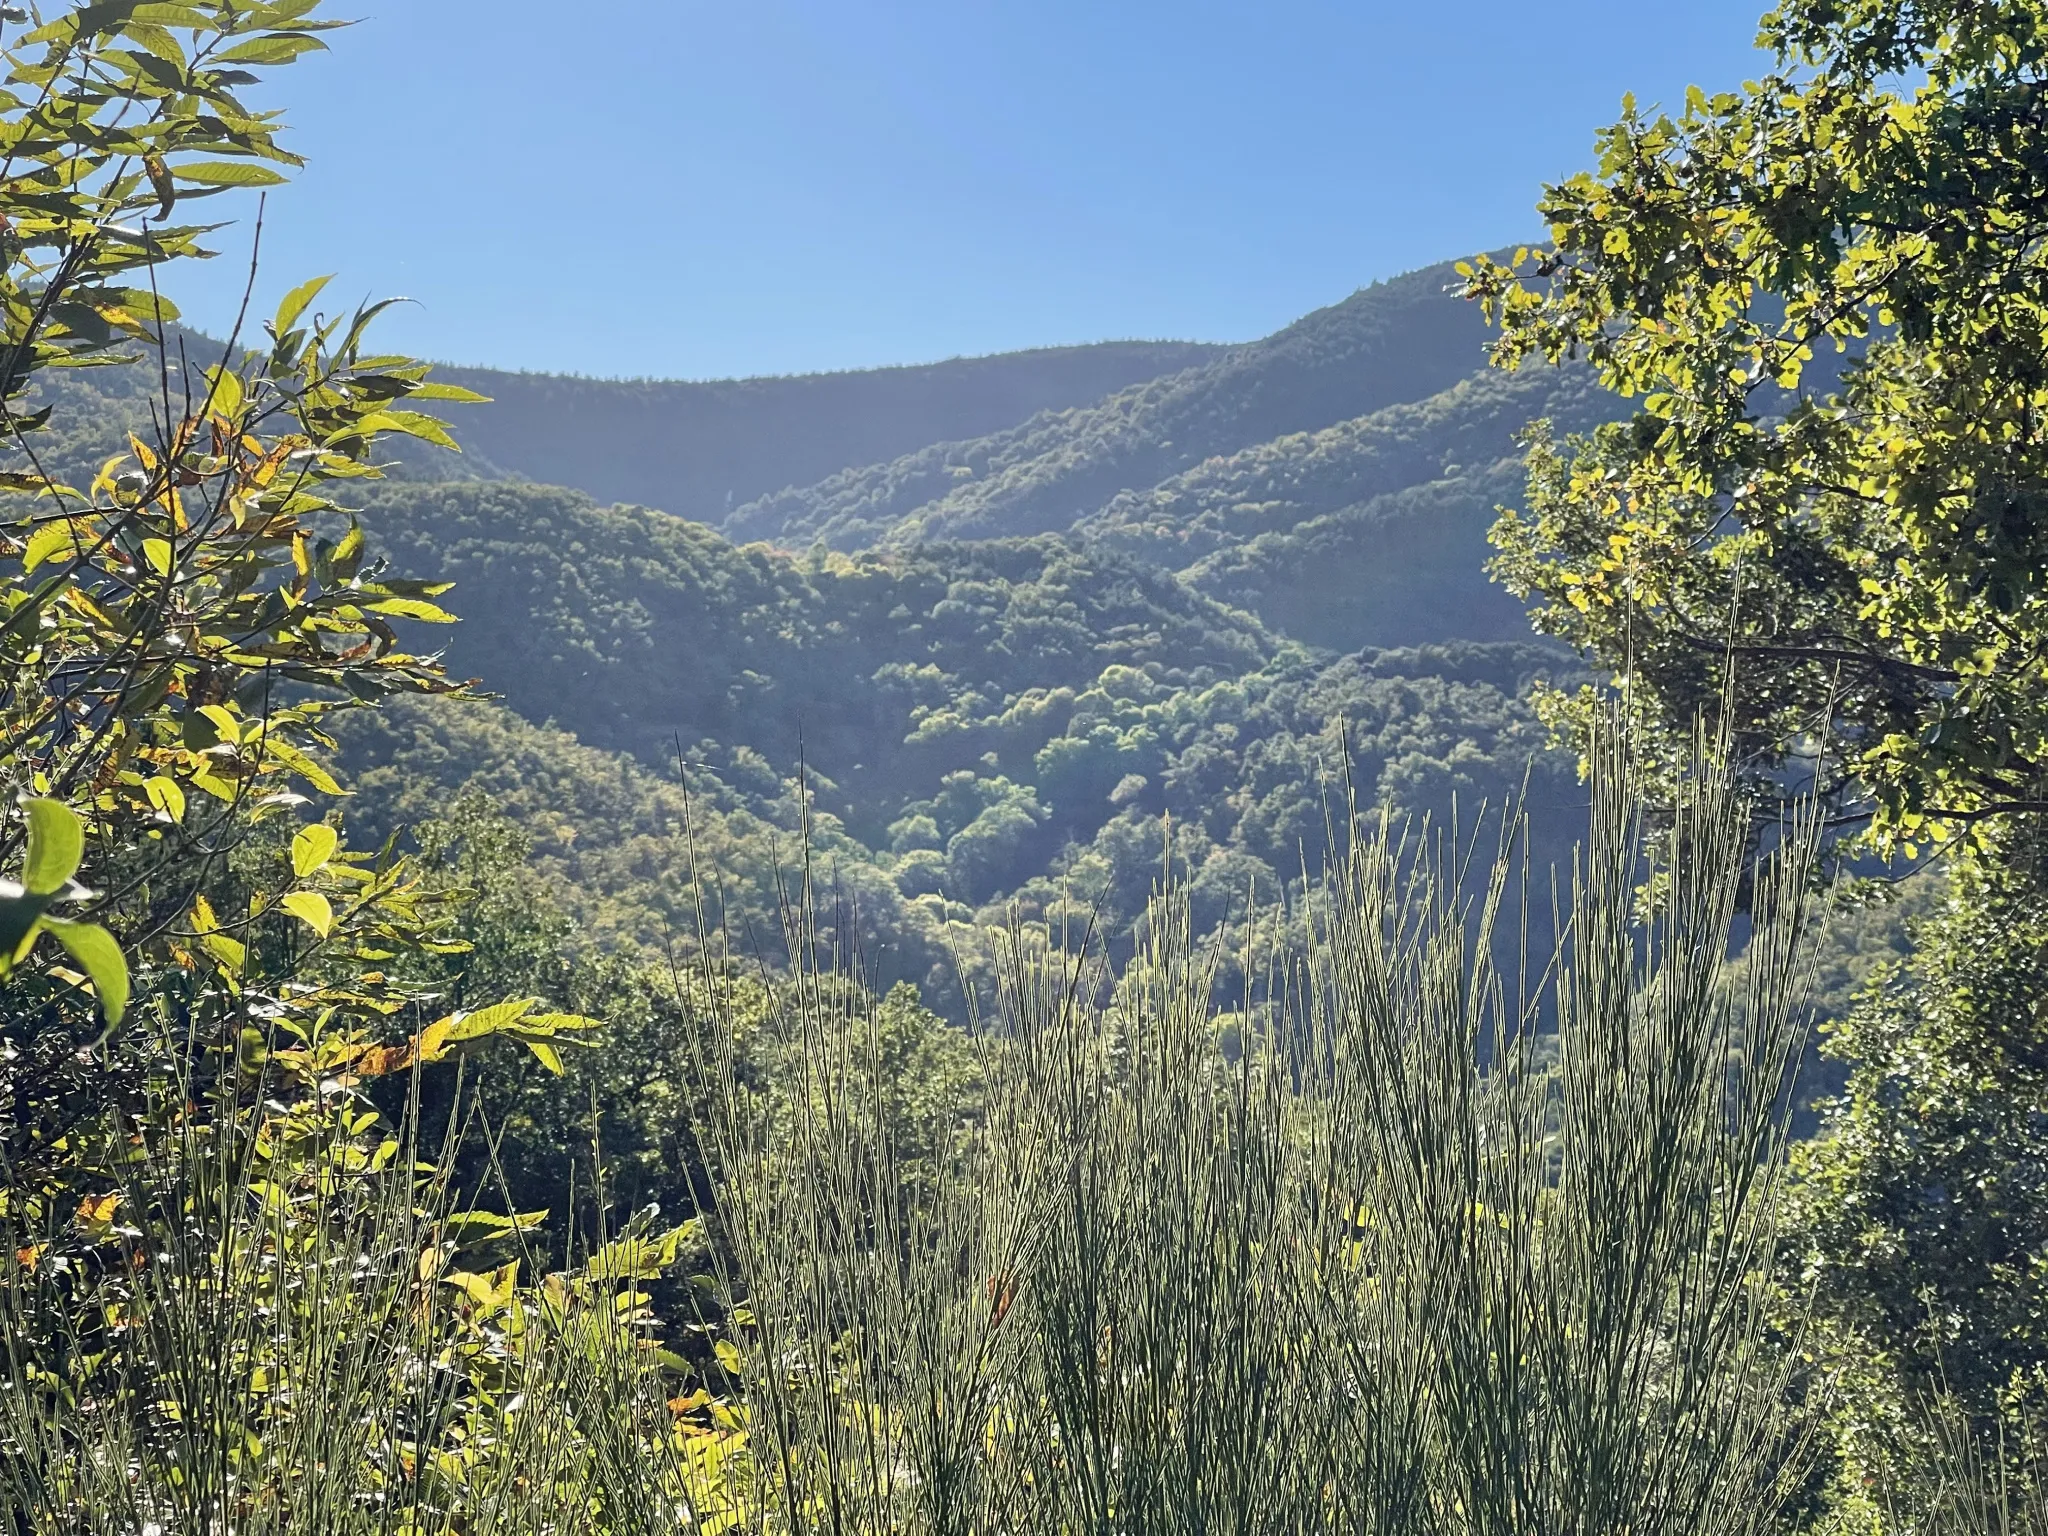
(672, 188)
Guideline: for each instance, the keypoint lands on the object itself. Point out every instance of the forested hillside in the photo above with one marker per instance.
(701, 449)
(1007, 668)
(1208, 602)
(1400, 340)
(978, 724)
(1337, 478)
(483, 961)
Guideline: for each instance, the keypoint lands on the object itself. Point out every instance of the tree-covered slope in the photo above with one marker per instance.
(1404, 339)
(976, 724)
(700, 449)
(1369, 532)
(629, 626)
(1336, 479)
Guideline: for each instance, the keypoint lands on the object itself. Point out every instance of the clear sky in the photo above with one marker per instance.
(674, 188)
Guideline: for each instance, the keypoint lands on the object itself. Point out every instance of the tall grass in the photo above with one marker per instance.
(1440, 1249)
(1421, 1240)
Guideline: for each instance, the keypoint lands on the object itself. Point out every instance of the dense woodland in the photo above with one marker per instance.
(1435, 922)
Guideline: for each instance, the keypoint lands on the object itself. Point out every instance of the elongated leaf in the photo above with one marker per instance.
(454, 392)
(412, 608)
(227, 173)
(304, 766)
(294, 303)
(56, 844)
(100, 958)
(457, 1028)
(278, 48)
(170, 16)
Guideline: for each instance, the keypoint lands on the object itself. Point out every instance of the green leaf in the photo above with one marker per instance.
(312, 848)
(166, 796)
(231, 953)
(56, 844)
(312, 909)
(550, 1023)
(158, 41)
(278, 48)
(412, 608)
(459, 1028)
(100, 958)
(487, 1021)
(411, 423)
(32, 606)
(454, 392)
(170, 16)
(302, 765)
(348, 554)
(227, 173)
(549, 1056)
(48, 541)
(294, 303)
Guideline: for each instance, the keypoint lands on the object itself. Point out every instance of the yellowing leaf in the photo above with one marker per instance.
(311, 908)
(98, 1210)
(382, 1060)
(46, 543)
(166, 797)
(312, 848)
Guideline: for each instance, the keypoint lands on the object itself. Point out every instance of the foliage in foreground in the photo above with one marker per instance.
(1825, 526)
(1404, 1259)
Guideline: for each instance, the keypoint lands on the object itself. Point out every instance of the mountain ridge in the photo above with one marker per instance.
(698, 448)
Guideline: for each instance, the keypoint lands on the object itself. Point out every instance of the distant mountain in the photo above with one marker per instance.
(1024, 623)
(1371, 532)
(701, 449)
(1337, 478)
(1401, 340)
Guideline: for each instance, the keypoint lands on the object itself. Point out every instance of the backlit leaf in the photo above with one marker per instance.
(311, 908)
(100, 957)
(227, 173)
(56, 844)
(312, 847)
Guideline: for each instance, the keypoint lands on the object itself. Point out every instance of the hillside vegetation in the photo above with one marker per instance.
(1009, 671)
(992, 989)
(976, 725)
(700, 450)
